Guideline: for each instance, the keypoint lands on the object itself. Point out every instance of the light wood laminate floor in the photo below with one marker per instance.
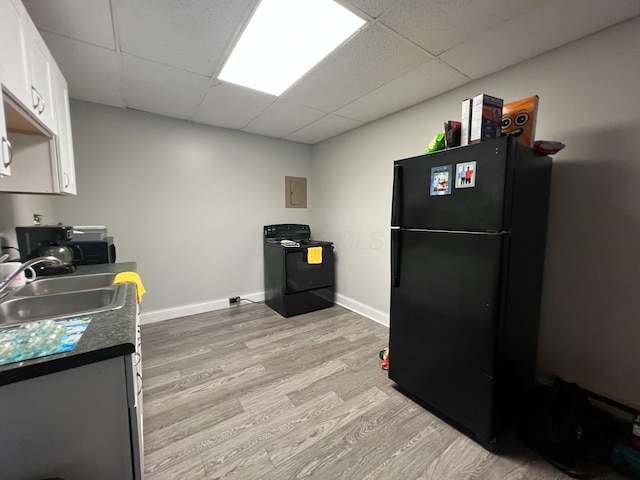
(245, 393)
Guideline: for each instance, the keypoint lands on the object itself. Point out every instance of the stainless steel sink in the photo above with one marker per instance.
(26, 309)
(54, 285)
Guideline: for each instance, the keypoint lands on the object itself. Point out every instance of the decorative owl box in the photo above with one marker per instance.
(519, 118)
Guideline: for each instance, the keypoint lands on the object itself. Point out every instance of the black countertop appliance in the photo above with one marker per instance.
(91, 252)
(467, 253)
(297, 280)
(47, 240)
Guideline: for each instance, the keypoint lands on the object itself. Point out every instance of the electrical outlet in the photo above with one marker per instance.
(234, 300)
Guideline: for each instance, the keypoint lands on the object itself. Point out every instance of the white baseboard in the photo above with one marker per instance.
(193, 309)
(203, 307)
(364, 310)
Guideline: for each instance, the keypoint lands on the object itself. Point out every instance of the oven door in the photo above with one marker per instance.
(301, 276)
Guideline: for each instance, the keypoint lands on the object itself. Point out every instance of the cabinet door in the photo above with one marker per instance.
(133, 371)
(13, 56)
(72, 424)
(66, 164)
(140, 388)
(40, 70)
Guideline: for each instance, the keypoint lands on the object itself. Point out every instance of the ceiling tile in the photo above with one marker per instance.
(535, 32)
(439, 25)
(327, 127)
(156, 88)
(282, 118)
(231, 106)
(92, 73)
(367, 61)
(193, 36)
(374, 8)
(61, 17)
(428, 80)
(167, 51)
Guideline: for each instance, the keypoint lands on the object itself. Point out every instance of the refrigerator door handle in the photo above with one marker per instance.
(395, 257)
(396, 205)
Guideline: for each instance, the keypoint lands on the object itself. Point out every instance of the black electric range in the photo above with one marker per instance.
(294, 283)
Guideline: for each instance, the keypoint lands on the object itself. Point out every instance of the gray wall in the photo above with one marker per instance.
(185, 201)
(589, 99)
(19, 210)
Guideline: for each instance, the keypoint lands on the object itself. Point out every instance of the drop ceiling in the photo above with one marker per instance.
(163, 56)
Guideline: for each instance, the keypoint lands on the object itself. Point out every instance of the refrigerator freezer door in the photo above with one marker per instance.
(476, 203)
(445, 323)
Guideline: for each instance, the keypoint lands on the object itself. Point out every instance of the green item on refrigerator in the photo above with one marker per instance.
(436, 144)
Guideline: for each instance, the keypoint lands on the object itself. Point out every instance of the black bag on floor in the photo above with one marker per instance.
(560, 425)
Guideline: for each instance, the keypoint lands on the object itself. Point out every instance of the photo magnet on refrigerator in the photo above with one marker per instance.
(441, 180)
(466, 175)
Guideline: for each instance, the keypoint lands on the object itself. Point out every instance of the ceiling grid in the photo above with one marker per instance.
(163, 56)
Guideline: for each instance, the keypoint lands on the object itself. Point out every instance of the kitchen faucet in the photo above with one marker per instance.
(34, 261)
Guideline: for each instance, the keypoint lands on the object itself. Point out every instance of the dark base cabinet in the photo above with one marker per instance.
(78, 423)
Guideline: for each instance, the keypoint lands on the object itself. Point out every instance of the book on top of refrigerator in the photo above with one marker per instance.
(465, 126)
(486, 118)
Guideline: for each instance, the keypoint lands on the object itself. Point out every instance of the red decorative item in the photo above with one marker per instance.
(384, 356)
(547, 147)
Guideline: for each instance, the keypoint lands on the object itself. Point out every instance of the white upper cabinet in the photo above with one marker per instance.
(26, 65)
(13, 53)
(66, 164)
(35, 125)
(40, 76)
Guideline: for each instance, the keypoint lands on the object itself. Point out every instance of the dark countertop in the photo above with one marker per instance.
(110, 334)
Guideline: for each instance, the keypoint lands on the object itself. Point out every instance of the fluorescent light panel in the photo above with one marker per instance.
(285, 39)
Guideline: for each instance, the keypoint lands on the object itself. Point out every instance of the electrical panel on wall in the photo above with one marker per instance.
(295, 192)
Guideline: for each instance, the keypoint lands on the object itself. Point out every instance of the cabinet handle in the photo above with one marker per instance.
(9, 151)
(35, 97)
(37, 101)
(66, 179)
(140, 377)
(137, 361)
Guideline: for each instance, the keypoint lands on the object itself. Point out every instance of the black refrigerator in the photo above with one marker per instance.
(468, 235)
